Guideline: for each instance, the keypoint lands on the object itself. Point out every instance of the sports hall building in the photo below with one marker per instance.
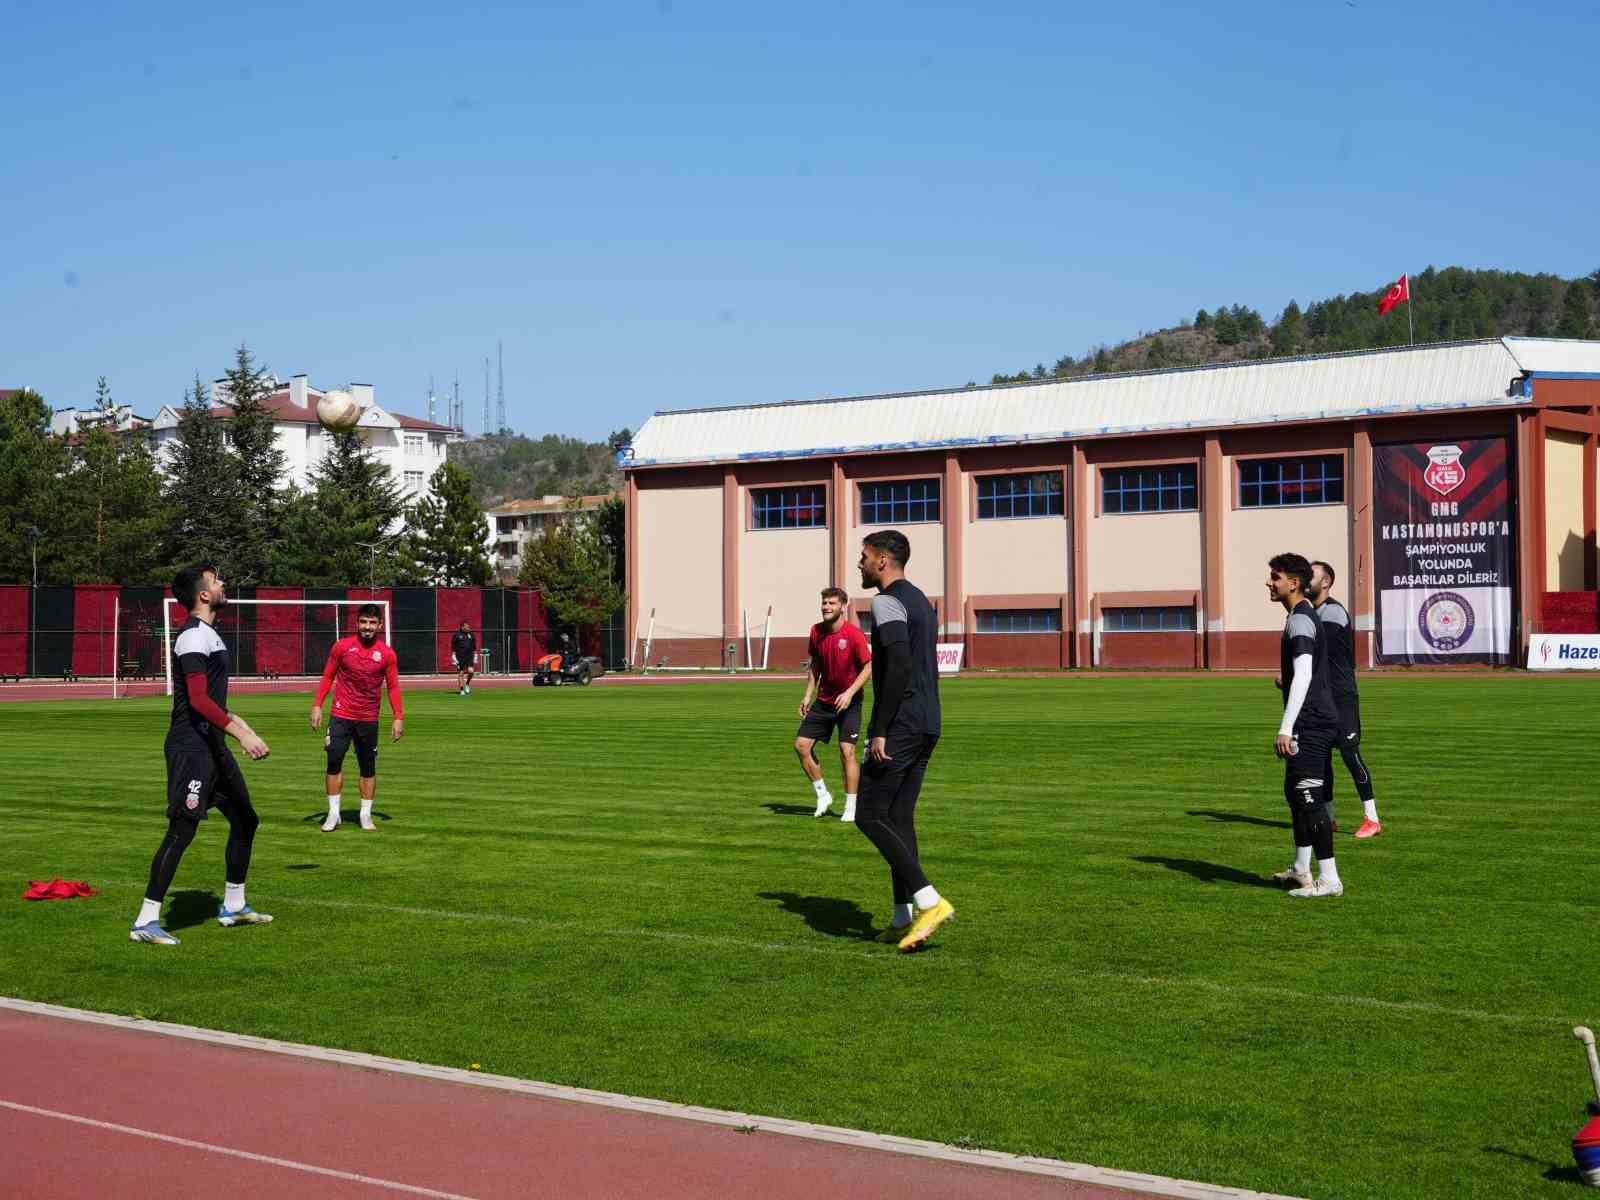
(1126, 520)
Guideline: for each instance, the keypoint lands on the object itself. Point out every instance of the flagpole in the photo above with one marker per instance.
(1411, 330)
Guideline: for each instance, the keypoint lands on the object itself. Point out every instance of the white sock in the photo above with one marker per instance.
(233, 896)
(849, 804)
(1326, 870)
(820, 787)
(149, 911)
(333, 805)
(366, 809)
(1370, 807)
(926, 897)
(903, 915)
(1302, 858)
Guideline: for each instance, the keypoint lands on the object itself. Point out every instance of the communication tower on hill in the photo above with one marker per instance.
(500, 409)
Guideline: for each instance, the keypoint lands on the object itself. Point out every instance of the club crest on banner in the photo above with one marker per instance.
(1446, 620)
(1445, 472)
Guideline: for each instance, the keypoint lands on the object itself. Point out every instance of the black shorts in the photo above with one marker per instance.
(1308, 775)
(464, 664)
(341, 733)
(1349, 724)
(822, 719)
(201, 775)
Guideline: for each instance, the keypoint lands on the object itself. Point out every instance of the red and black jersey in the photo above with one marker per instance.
(838, 654)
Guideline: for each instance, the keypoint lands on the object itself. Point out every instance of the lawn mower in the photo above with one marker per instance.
(566, 665)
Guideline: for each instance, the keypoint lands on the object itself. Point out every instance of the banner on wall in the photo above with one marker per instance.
(949, 655)
(1444, 551)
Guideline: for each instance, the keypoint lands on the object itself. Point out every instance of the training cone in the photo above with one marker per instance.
(1586, 1152)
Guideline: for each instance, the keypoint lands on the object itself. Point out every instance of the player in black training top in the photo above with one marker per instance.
(1341, 636)
(1307, 732)
(902, 733)
(201, 771)
(464, 649)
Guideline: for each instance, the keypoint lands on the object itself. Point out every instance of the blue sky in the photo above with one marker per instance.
(676, 203)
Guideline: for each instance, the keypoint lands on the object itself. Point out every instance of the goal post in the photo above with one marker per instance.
(296, 647)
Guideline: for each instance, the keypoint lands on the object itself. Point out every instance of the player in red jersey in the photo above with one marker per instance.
(362, 665)
(840, 665)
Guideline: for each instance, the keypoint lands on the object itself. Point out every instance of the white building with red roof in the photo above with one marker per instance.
(412, 449)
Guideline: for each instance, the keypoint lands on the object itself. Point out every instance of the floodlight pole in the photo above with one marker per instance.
(372, 548)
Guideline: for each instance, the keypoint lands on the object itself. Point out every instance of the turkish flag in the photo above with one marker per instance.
(1399, 292)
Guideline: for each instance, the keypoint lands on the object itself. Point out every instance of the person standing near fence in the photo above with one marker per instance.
(464, 649)
(201, 771)
(359, 668)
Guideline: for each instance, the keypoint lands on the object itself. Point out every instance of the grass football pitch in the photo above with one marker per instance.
(623, 888)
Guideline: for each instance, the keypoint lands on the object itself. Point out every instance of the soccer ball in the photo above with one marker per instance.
(338, 412)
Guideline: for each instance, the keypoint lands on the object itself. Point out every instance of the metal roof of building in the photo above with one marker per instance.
(1419, 379)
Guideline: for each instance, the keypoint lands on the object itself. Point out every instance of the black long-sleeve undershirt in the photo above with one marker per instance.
(890, 679)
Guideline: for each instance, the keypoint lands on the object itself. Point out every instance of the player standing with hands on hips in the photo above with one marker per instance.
(201, 771)
(903, 732)
(464, 649)
(836, 673)
(1307, 732)
(358, 669)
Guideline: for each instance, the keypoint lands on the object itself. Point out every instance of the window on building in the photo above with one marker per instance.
(414, 443)
(1019, 620)
(437, 441)
(899, 502)
(1165, 619)
(1004, 496)
(804, 507)
(1148, 489)
(1290, 482)
(413, 480)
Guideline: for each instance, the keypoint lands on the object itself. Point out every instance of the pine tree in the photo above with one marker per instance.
(328, 532)
(32, 464)
(1102, 361)
(201, 488)
(1202, 319)
(114, 507)
(1287, 333)
(611, 523)
(1158, 354)
(261, 467)
(1227, 329)
(573, 568)
(449, 531)
(1576, 321)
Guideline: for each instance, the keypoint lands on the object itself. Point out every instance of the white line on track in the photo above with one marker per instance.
(1028, 1165)
(1265, 991)
(270, 1160)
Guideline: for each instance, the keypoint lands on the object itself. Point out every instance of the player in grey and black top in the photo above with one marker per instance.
(464, 649)
(201, 771)
(1307, 732)
(1341, 637)
(903, 731)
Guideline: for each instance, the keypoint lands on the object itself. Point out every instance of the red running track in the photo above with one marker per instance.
(84, 1109)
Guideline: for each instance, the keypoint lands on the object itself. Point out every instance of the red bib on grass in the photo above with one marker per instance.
(58, 889)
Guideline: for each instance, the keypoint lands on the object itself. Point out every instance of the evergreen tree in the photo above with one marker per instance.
(261, 467)
(1202, 319)
(114, 509)
(1286, 334)
(1102, 361)
(1158, 354)
(31, 467)
(329, 531)
(449, 531)
(201, 488)
(1227, 329)
(574, 570)
(1063, 366)
(1576, 321)
(611, 522)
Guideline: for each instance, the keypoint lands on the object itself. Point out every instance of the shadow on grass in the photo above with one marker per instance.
(792, 810)
(1554, 1172)
(191, 908)
(1207, 872)
(836, 918)
(350, 815)
(1237, 818)
(303, 867)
